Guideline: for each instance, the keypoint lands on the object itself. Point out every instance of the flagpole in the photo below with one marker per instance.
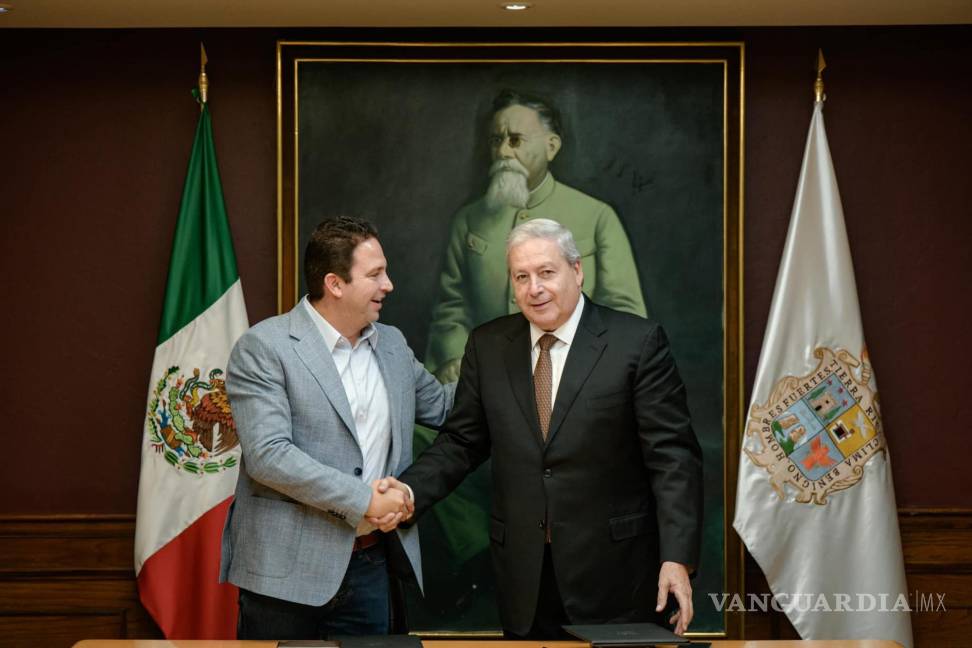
(189, 465)
(818, 85)
(203, 79)
(815, 497)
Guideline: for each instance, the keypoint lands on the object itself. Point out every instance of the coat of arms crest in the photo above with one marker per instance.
(816, 432)
(190, 424)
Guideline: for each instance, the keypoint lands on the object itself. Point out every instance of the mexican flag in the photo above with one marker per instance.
(190, 450)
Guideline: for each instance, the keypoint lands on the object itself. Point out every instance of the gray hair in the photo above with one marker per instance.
(544, 228)
(549, 116)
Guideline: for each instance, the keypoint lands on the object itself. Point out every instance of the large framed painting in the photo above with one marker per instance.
(650, 137)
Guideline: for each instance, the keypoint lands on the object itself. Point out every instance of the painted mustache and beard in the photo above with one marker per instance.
(507, 185)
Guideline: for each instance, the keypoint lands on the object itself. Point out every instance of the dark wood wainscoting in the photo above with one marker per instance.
(66, 578)
(937, 547)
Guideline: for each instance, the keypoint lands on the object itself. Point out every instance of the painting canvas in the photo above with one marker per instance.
(647, 175)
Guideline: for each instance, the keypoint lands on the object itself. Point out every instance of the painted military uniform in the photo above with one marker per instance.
(475, 288)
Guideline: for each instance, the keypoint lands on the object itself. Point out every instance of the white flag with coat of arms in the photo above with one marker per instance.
(815, 500)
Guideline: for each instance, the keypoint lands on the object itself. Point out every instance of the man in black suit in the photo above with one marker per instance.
(596, 472)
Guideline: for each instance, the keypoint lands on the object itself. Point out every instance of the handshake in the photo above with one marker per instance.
(391, 504)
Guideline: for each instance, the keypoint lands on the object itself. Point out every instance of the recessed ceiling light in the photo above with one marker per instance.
(516, 6)
(5, 8)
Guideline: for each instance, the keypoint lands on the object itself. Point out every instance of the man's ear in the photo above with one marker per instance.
(579, 270)
(333, 284)
(553, 146)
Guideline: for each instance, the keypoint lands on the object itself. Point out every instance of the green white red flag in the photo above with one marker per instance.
(190, 450)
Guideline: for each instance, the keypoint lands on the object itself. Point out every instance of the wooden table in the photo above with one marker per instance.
(481, 643)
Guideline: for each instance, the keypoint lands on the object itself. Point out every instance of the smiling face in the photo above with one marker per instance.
(546, 287)
(360, 299)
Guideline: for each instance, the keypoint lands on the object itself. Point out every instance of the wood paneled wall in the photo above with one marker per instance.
(66, 578)
(937, 547)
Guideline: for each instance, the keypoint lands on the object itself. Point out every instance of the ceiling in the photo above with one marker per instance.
(480, 13)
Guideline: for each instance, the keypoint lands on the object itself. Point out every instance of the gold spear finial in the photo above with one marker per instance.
(203, 79)
(818, 85)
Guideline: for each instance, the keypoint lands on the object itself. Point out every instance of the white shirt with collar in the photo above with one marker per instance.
(365, 389)
(558, 352)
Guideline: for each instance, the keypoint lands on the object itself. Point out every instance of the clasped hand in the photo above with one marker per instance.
(391, 504)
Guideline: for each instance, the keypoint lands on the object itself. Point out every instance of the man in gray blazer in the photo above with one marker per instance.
(324, 399)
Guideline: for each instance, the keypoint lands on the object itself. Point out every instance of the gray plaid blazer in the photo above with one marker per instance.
(290, 530)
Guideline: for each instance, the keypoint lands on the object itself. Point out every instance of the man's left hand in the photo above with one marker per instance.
(673, 578)
(390, 521)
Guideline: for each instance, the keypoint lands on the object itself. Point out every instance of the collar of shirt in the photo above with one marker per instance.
(331, 335)
(564, 334)
(367, 398)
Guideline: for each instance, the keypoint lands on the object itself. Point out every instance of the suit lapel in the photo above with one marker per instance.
(517, 357)
(585, 351)
(388, 367)
(310, 348)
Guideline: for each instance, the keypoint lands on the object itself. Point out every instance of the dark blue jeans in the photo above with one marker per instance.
(360, 606)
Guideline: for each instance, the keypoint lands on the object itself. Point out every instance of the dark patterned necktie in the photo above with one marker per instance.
(543, 383)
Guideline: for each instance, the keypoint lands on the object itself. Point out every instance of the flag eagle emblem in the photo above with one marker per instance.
(190, 424)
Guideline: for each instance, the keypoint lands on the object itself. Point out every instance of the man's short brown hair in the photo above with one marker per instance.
(331, 249)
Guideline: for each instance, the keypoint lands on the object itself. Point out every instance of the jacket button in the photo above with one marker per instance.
(548, 473)
(357, 472)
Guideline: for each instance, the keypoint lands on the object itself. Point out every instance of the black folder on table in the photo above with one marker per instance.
(379, 641)
(625, 634)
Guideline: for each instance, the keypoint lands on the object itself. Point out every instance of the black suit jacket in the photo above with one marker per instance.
(619, 478)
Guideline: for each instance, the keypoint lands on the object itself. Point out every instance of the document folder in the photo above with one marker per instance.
(625, 634)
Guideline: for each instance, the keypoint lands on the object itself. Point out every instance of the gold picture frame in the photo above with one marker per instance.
(354, 118)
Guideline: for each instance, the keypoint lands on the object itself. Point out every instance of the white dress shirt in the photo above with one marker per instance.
(560, 348)
(365, 389)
